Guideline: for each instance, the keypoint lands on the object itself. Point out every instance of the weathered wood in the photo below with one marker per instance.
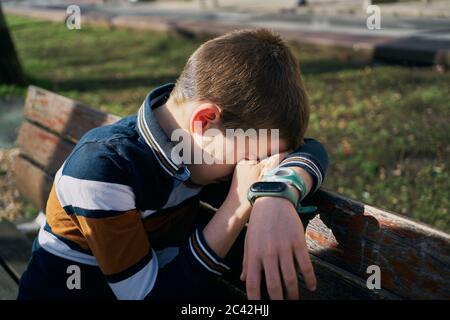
(414, 259)
(43, 147)
(32, 182)
(61, 115)
(15, 249)
(8, 287)
(333, 283)
(336, 283)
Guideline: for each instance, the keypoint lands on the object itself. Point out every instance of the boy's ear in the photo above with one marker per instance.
(204, 117)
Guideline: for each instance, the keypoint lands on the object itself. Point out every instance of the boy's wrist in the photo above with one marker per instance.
(239, 205)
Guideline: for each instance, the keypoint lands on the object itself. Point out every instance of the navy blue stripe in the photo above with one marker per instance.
(130, 271)
(92, 213)
(97, 160)
(72, 245)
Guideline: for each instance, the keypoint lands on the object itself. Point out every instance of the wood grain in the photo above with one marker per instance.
(43, 147)
(68, 118)
(414, 259)
(33, 182)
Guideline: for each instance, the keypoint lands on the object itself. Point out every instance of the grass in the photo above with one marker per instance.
(385, 127)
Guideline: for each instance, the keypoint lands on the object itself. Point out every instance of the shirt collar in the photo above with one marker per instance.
(154, 136)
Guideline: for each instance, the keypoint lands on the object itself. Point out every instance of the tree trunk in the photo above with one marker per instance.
(10, 70)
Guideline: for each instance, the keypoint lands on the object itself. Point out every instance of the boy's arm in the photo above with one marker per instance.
(275, 237)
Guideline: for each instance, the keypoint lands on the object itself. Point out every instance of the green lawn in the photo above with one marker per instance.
(385, 127)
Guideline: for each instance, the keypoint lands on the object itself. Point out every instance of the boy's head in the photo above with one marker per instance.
(241, 80)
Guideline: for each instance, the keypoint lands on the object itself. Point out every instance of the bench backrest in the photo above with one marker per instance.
(345, 239)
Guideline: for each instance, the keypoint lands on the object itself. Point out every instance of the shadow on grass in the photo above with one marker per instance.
(97, 83)
(93, 84)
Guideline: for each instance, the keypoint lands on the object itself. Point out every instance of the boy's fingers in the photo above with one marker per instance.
(289, 275)
(304, 261)
(273, 279)
(253, 281)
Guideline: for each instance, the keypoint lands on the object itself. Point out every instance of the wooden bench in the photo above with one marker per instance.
(344, 240)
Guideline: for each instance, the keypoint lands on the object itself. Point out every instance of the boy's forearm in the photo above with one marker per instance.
(224, 228)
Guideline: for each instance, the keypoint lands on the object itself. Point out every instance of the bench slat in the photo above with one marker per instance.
(414, 258)
(64, 116)
(43, 147)
(32, 182)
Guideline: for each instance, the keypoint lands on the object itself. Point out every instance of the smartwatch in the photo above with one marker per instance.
(272, 189)
(288, 176)
(280, 182)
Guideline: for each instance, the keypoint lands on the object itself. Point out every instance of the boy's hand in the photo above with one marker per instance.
(274, 243)
(247, 172)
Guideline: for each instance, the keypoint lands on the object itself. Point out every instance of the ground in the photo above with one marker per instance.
(384, 126)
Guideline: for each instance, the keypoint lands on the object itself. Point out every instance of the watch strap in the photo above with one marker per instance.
(289, 176)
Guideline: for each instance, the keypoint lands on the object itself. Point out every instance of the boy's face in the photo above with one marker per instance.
(215, 153)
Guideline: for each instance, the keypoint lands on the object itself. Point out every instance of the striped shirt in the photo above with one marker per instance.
(121, 204)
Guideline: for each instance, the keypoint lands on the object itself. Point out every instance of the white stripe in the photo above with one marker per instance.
(200, 260)
(147, 213)
(94, 195)
(207, 253)
(52, 244)
(154, 140)
(139, 285)
(149, 144)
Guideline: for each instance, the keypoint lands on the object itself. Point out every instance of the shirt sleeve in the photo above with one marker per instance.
(312, 157)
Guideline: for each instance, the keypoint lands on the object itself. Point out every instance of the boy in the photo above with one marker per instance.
(122, 210)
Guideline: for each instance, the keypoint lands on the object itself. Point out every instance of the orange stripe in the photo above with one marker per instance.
(117, 242)
(61, 223)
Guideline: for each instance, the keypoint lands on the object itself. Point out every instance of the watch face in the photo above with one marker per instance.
(268, 186)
